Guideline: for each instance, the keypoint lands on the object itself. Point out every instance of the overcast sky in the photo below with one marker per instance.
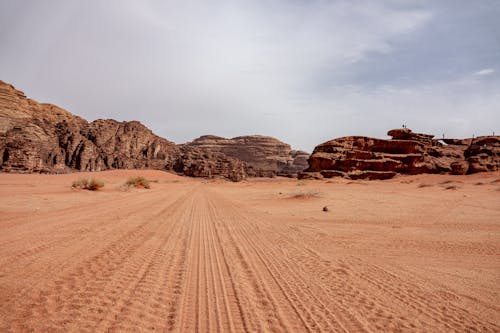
(301, 71)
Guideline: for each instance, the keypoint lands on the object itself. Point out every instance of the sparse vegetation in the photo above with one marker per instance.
(325, 209)
(446, 182)
(138, 182)
(306, 195)
(479, 183)
(424, 185)
(451, 187)
(91, 184)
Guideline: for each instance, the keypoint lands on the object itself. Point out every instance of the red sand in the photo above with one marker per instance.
(192, 255)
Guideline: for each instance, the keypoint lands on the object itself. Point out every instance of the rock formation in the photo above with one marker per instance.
(483, 154)
(359, 157)
(266, 156)
(37, 137)
(198, 163)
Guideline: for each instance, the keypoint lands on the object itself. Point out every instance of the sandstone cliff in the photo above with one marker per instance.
(358, 157)
(36, 137)
(266, 156)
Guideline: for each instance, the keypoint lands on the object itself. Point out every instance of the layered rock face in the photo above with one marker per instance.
(198, 163)
(37, 137)
(359, 157)
(265, 156)
(483, 154)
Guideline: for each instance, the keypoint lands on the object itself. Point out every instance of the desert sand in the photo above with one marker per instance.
(411, 254)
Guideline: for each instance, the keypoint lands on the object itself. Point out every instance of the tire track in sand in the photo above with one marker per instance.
(90, 292)
(297, 295)
(213, 306)
(346, 295)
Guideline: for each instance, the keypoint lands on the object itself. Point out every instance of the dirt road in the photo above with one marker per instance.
(191, 256)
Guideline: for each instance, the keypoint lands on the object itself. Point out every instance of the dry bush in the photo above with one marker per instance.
(424, 185)
(479, 183)
(446, 182)
(451, 187)
(356, 182)
(91, 184)
(306, 195)
(137, 182)
(301, 183)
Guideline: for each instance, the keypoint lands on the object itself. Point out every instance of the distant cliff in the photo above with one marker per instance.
(38, 137)
(266, 156)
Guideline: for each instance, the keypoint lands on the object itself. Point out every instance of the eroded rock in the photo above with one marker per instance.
(36, 137)
(265, 155)
(359, 157)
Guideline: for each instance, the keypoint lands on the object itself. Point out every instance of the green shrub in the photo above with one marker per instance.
(137, 182)
(91, 184)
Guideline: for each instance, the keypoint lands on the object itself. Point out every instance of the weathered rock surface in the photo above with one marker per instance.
(37, 137)
(266, 156)
(483, 154)
(359, 157)
(198, 163)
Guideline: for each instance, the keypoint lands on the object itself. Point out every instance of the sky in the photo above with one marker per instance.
(302, 71)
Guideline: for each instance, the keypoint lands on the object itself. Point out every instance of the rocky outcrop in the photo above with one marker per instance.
(483, 154)
(36, 137)
(198, 163)
(266, 156)
(29, 134)
(359, 157)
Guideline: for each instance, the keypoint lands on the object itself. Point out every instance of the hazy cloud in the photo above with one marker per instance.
(486, 71)
(302, 71)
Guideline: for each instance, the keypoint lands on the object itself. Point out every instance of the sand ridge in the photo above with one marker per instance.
(193, 255)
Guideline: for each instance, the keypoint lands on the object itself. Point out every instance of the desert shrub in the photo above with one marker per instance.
(306, 195)
(356, 182)
(446, 182)
(91, 184)
(424, 185)
(451, 187)
(137, 182)
(479, 183)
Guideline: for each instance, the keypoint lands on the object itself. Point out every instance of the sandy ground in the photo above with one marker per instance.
(412, 254)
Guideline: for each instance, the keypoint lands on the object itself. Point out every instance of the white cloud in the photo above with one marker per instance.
(486, 71)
